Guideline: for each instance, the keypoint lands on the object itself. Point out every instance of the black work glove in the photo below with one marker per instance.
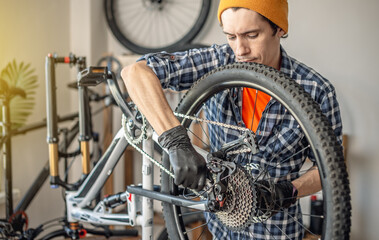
(275, 196)
(188, 165)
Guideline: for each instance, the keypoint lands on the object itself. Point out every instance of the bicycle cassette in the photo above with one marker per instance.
(239, 207)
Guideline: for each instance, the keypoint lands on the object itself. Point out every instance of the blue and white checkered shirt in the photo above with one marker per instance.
(276, 142)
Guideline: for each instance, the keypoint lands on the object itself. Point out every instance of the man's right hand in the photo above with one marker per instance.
(188, 165)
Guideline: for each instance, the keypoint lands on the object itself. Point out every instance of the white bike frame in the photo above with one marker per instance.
(139, 199)
(80, 202)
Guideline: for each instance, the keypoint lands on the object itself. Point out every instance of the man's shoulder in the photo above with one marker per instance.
(306, 75)
(221, 51)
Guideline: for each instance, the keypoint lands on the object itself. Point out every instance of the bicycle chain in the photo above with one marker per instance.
(134, 143)
(244, 150)
(254, 218)
(211, 122)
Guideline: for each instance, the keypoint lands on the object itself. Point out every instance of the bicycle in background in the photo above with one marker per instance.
(15, 225)
(163, 25)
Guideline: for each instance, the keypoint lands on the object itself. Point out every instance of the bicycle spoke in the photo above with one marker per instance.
(276, 139)
(300, 173)
(121, 5)
(202, 232)
(264, 225)
(192, 229)
(302, 225)
(176, 24)
(266, 170)
(197, 137)
(286, 210)
(190, 213)
(299, 196)
(284, 160)
(255, 107)
(281, 230)
(204, 131)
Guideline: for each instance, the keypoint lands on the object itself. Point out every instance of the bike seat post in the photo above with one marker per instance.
(147, 183)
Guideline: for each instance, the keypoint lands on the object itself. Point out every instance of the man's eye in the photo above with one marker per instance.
(252, 36)
(231, 37)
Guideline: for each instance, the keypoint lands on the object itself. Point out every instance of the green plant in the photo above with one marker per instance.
(17, 87)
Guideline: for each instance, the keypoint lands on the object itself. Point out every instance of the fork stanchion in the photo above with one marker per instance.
(84, 148)
(85, 134)
(147, 183)
(53, 159)
(51, 119)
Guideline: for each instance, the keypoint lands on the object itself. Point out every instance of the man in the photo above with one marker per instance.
(253, 29)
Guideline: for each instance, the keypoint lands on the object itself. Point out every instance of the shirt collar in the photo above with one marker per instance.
(286, 64)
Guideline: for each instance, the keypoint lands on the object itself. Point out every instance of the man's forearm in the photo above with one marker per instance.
(308, 183)
(146, 92)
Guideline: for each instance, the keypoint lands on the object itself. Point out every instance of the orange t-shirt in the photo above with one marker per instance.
(248, 99)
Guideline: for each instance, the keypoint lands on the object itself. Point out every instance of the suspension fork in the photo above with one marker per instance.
(52, 116)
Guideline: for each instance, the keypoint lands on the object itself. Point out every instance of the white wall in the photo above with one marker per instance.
(29, 31)
(339, 40)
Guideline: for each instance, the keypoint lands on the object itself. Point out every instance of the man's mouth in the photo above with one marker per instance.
(247, 60)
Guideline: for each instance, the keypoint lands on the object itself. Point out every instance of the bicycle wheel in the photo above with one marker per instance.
(145, 26)
(318, 141)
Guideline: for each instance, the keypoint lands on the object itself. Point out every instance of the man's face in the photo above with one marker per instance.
(251, 37)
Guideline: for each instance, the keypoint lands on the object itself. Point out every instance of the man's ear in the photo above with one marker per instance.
(280, 33)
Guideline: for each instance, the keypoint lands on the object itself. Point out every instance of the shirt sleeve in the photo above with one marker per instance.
(179, 70)
(331, 110)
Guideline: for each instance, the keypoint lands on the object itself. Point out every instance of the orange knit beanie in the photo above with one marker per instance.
(275, 10)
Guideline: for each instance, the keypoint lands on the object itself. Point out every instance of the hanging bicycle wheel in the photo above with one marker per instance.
(242, 210)
(145, 26)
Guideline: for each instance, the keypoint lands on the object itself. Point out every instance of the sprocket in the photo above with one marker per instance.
(240, 205)
(132, 133)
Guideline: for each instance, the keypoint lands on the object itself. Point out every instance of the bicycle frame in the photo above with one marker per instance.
(138, 198)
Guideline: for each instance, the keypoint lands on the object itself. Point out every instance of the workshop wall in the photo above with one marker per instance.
(29, 31)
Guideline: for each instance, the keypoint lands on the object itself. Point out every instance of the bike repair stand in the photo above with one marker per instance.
(147, 183)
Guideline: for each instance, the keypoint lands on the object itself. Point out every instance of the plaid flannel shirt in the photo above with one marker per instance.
(276, 142)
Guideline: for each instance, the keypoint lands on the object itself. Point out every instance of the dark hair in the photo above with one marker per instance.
(273, 25)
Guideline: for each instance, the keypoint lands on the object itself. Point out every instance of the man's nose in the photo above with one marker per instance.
(242, 47)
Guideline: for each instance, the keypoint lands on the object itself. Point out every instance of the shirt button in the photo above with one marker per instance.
(172, 57)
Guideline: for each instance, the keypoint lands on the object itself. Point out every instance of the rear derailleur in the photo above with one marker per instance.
(219, 172)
